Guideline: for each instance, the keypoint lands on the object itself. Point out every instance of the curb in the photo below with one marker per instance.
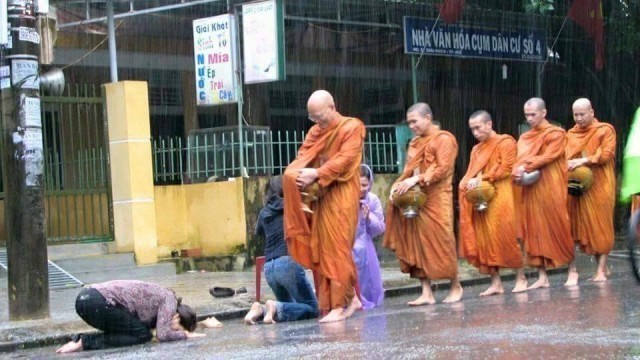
(239, 313)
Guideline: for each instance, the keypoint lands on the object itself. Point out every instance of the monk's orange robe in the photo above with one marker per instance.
(635, 203)
(591, 214)
(426, 245)
(542, 205)
(323, 241)
(488, 239)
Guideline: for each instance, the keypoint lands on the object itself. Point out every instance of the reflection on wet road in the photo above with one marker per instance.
(592, 321)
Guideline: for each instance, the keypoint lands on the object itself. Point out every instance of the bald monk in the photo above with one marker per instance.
(541, 206)
(592, 143)
(330, 155)
(425, 245)
(488, 238)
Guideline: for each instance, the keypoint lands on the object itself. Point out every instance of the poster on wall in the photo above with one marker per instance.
(263, 41)
(214, 55)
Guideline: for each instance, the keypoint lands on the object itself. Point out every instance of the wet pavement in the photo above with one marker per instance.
(594, 320)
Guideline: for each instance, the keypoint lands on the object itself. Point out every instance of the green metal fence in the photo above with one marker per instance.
(76, 176)
(211, 154)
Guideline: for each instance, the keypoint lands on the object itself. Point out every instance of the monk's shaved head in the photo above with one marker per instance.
(481, 125)
(423, 109)
(482, 114)
(321, 97)
(536, 103)
(582, 103)
(535, 111)
(583, 113)
(321, 108)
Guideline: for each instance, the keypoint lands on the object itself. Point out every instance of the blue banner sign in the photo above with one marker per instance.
(468, 42)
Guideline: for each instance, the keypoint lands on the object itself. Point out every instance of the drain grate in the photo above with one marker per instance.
(58, 277)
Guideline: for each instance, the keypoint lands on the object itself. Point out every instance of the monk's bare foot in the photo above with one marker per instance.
(541, 283)
(270, 315)
(212, 322)
(599, 277)
(70, 347)
(521, 282)
(253, 315)
(455, 294)
(572, 279)
(493, 290)
(354, 306)
(333, 316)
(423, 300)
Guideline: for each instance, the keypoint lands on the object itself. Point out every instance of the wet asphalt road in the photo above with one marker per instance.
(599, 321)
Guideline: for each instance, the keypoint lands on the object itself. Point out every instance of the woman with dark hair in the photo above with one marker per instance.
(295, 299)
(126, 311)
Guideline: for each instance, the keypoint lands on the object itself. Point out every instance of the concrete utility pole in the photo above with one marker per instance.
(23, 163)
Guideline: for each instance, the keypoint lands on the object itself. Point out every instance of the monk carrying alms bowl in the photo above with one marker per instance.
(481, 195)
(309, 195)
(580, 180)
(410, 202)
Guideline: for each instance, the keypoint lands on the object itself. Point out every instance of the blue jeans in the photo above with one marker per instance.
(295, 297)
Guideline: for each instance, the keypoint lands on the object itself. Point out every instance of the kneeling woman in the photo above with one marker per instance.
(126, 311)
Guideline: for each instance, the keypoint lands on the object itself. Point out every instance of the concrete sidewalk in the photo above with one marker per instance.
(193, 288)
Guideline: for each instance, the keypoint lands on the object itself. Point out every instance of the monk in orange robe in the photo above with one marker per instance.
(330, 155)
(542, 204)
(488, 236)
(426, 245)
(592, 143)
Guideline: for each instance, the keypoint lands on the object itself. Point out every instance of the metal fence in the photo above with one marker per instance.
(76, 177)
(211, 154)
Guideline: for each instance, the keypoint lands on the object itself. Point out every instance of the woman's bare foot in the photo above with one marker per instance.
(70, 347)
(423, 300)
(455, 294)
(270, 315)
(355, 305)
(212, 322)
(254, 314)
(493, 290)
(333, 316)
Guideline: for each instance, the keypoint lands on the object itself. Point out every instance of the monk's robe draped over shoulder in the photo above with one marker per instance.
(591, 215)
(488, 238)
(323, 242)
(425, 245)
(542, 205)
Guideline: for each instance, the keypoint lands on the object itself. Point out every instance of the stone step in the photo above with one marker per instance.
(96, 262)
(141, 272)
(72, 251)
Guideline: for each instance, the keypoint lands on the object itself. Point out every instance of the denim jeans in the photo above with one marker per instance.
(295, 297)
(119, 327)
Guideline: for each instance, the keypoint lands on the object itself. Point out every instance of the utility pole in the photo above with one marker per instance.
(23, 163)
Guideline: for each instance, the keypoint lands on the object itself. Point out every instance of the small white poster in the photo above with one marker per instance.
(5, 77)
(28, 34)
(214, 55)
(260, 42)
(25, 72)
(33, 156)
(30, 112)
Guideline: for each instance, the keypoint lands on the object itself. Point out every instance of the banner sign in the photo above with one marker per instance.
(468, 42)
(214, 53)
(263, 41)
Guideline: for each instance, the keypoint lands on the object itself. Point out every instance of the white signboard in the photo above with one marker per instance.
(214, 53)
(29, 113)
(260, 42)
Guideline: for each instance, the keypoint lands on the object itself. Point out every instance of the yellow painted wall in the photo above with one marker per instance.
(210, 216)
